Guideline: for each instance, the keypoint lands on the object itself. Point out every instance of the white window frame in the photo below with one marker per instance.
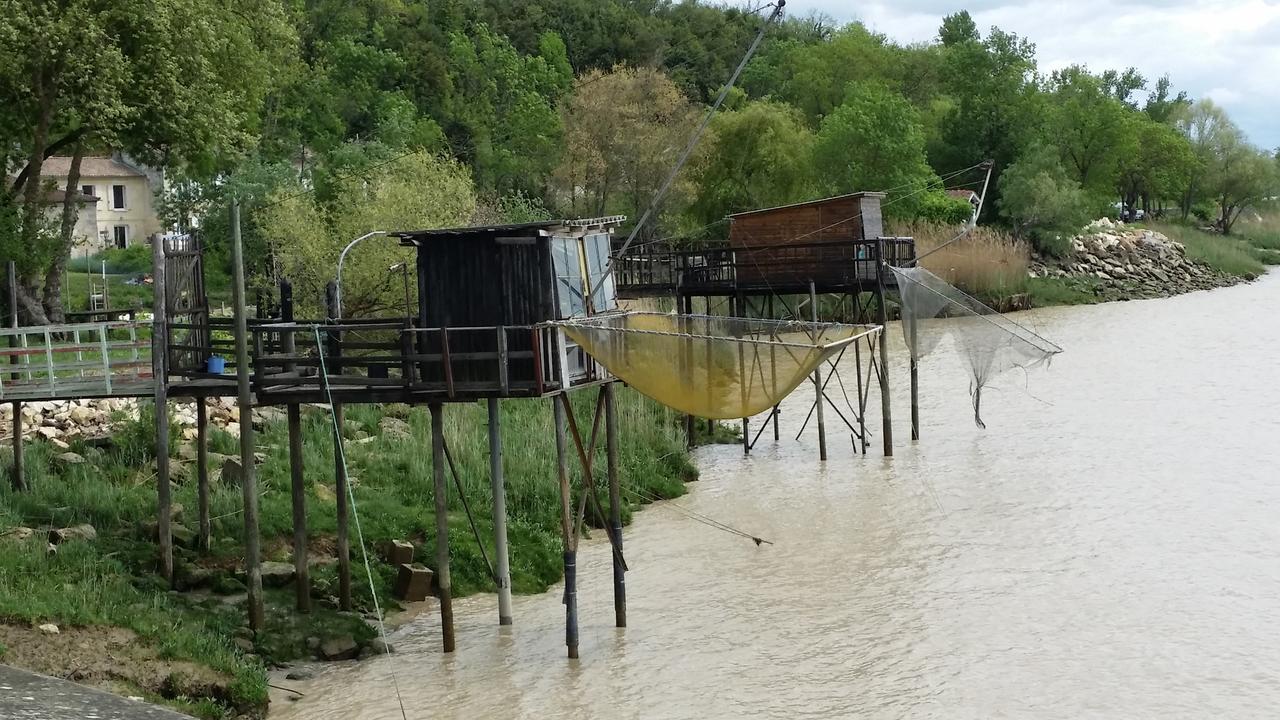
(91, 190)
(115, 236)
(124, 197)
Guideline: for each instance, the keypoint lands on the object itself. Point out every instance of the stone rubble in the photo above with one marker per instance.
(60, 420)
(1127, 263)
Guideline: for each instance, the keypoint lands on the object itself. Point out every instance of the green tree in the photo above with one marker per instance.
(1088, 125)
(874, 141)
(623, 132)
(1157, 166)
(169, 81)
(1210, 132)
(308, 234)
(1041, 201)
(1240, 177)
(762, 157)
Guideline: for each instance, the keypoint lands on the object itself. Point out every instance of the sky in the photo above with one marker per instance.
(1227, 51)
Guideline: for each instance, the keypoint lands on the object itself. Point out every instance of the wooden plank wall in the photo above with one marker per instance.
(760, 241)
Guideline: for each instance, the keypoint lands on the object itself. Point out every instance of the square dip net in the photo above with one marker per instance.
(989, 342)
(707, 365)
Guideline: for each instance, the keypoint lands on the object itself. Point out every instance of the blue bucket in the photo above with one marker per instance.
(216, 364)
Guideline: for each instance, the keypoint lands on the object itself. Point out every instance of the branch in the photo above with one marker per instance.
(52, 148)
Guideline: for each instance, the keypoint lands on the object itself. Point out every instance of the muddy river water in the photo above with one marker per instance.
(1108, 548)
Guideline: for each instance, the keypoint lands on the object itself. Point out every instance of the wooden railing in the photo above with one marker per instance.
(75, 360)
(728, 268)
(377, 354)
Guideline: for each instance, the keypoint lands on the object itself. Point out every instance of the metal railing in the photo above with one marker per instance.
(75, 360)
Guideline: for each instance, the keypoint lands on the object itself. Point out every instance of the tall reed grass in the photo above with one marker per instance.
(987, 262)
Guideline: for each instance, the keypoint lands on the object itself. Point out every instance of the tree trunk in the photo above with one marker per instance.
(70, 213)
(32, 208)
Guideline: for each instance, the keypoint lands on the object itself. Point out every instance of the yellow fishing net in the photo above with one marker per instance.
(710, 366)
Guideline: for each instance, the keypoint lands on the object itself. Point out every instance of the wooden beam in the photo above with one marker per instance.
(444, 584)
(164, 500)
(249, 471)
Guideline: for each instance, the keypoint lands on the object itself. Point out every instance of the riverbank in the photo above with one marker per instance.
(107, 618)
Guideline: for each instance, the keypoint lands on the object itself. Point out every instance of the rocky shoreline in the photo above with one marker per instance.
(1116, 262)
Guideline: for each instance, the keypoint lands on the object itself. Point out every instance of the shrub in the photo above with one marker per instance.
(1041, 201)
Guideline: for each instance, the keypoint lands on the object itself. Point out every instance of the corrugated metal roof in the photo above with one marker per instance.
(513, 229)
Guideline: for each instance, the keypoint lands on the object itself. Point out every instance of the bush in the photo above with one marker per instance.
(941, 208)
(133, 260)
(1041, 201)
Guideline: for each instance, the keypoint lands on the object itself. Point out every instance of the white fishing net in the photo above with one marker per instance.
(989, 342)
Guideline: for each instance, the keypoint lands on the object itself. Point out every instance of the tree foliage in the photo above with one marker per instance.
(1041, 200)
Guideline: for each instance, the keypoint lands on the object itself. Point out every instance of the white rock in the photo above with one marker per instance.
(49, 629)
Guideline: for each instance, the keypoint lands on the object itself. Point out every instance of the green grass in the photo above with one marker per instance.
(1062, 291)
(1228, 254)
(112, 580)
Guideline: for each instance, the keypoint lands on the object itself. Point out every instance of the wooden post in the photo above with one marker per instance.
(159, 348)
(817, 380)
(615, 506)
(773, 374)
(202, 473)
(915, 385)
(882, 317)
(249, 473)
(19, 477)
(570, 541)
(297, 478)
(339, 468)
(443, 583)
(503, 570)
(690, 429)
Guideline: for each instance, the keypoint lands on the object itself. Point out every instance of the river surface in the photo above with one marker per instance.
(1108, 548)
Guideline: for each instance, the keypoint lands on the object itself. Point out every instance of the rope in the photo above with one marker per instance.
(457, 482)
(699, 517)
(355, 513)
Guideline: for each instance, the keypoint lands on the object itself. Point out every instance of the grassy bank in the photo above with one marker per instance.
(111, 580)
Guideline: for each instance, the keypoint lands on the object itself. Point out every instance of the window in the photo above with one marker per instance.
(88, 190)
(603, 297)
(117, 197)
(568, 268)
(121, 234)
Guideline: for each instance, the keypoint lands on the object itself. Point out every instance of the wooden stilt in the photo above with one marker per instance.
(857, 365)
(615, 507)
(343, 540)
(570, 541)
(18, 476)
(298, 495)
(202, 474)
(915, 384)
(690, 430)
(817, 381)
(882, 318)
(249, 473)
(443, 583)
(159, 348)
(503, 569)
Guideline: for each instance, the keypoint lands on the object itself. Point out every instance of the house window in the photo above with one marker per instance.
(89, 190)
(117, 197)
(121, 235)
(568, 269)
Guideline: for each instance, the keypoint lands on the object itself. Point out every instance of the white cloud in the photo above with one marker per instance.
(1228, 51)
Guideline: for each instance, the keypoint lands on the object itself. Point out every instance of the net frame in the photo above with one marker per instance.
(713, 366)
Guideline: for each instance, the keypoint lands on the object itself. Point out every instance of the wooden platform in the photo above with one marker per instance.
(832, 267)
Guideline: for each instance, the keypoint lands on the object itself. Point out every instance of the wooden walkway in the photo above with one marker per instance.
(30, 696)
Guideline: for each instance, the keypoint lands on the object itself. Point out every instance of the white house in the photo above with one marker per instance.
(125, 209)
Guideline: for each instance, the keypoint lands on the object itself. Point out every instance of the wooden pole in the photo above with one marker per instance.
(249, 473)
(18, 477)
(339, 469)
(817, 380)
(443, 583)
(297, 478)
(503, 570)
(882, 317)
(689, 427)
(202, 474)
(570, 541)
(615, 506)
(159, 347)
(773, 375)
(857, 364)
(915, 386)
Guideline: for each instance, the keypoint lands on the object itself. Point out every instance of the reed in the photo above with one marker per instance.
(986, 262)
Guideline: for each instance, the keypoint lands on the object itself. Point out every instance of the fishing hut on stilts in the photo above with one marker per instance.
(783, 263)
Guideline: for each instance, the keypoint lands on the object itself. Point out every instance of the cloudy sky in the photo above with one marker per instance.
(1228, 51)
